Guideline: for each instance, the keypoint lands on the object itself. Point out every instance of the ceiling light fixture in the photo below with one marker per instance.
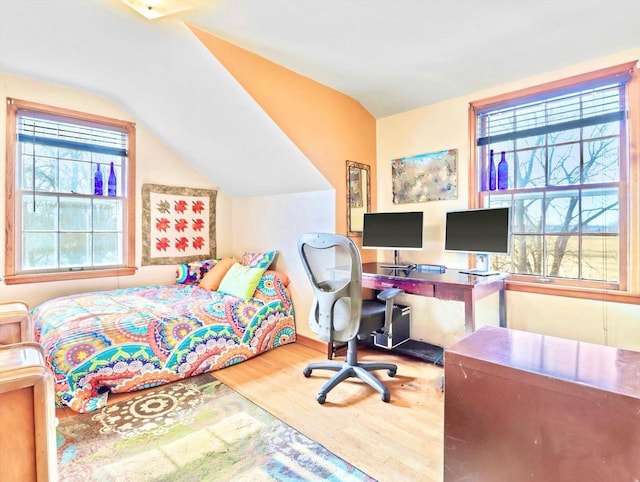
(153, 9)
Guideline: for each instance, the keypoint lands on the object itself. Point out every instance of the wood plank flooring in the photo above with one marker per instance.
(397, 441)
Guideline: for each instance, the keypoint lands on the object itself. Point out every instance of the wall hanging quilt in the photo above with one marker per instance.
(178, 224)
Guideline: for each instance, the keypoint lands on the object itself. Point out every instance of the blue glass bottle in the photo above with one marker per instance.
(492, 172)
(97, 182)
(111, 185)
(503, 172)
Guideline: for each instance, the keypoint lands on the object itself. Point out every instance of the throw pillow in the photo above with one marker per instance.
(241, 281)
(211, 280)
(258, 259)
(192, 273)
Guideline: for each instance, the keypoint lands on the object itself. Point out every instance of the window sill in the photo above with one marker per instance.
(71, 275)
(575, 292)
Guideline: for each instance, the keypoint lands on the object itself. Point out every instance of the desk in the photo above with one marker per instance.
(450, 285)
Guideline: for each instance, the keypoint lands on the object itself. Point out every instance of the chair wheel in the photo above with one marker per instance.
(386, 397)
(306, 372)
(321, 397)
(391, 373)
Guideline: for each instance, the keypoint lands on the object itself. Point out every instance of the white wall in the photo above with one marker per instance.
(155, 163)
(276, 222)
(445, 126)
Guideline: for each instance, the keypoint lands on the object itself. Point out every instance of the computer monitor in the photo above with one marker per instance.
(395, 231)
(480, 231)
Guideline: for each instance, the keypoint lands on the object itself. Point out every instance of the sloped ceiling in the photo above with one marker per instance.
(391, 56)
(163, 76)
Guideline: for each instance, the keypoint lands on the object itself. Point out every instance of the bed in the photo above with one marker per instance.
(134, 338)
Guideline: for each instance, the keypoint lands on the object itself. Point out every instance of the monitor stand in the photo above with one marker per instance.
(396, 263)
(482, 266)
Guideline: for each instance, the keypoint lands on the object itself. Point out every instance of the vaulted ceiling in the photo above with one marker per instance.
(391, 56)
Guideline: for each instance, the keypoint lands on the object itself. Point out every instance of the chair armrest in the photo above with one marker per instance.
(388, 296)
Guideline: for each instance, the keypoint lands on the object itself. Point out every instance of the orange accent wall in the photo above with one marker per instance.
(328, 126)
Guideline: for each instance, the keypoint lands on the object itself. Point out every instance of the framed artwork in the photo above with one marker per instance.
(355, 187)
(425, 177)
(178, 224)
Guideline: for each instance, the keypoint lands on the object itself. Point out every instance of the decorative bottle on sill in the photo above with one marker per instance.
(503, 172)
(492, 172)
(97, 182)
(112, 182)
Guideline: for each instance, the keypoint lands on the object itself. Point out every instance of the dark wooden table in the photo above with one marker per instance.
(450, 285)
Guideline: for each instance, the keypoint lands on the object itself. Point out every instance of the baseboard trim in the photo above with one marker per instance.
(312, 343)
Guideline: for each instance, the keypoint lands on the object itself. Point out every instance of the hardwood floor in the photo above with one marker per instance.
(397, 441)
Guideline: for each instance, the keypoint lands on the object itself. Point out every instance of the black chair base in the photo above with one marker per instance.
(352, 368)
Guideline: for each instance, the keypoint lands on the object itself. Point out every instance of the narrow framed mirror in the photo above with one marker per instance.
(358, 196)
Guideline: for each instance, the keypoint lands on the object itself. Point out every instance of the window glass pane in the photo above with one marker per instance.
(75, 214)
(564, 165)
(74, 154)
(600, 258)
(39, 251)
(75, 177)
(601, 160)
(561, 213)
(75, 249)
(500, 263)
(46, 174)
(601, 130)
(499, 147)
(499, 201)
(45, 216)
(561, 137)
(562, 256)
(107, 249)
(530, 142)
(107, 214)
(526, 214)
(600, 211)
(531, 168)
(527, 254)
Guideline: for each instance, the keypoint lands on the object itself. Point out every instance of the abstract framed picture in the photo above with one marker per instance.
(425, 177)
(178, 224)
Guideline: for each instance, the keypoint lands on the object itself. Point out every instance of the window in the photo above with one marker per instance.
(566, 145)
(58, 225)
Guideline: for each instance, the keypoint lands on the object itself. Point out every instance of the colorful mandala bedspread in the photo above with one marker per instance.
(129, 339)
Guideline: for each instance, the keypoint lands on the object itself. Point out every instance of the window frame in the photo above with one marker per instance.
(628, 287)
(12, 234)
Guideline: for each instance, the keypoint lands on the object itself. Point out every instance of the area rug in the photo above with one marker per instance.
(196, 430)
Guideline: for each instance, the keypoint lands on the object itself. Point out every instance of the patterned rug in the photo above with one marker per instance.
(195, 430)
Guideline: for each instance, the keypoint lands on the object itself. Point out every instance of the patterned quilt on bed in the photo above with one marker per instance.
(129, 339)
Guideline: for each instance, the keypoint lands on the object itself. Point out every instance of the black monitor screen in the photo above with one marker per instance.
(478, 231)
(401, 230)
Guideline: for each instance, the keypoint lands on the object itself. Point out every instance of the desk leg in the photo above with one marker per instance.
(469, 313)
(503, 308)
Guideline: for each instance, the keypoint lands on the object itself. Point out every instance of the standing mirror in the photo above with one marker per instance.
(358, 196)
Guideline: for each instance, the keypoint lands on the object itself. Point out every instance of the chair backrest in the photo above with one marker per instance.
(334, 267)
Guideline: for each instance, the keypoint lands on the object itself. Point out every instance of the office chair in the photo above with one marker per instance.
(338, 313)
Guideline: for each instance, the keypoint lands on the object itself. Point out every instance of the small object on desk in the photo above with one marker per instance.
(431, 268)
(479, 272)
(406, 267)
